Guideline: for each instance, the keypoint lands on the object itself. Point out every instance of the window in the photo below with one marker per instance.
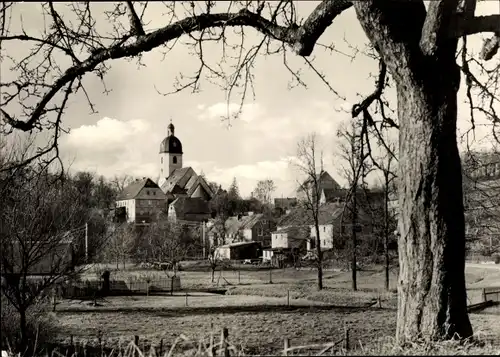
(261, 232)
(324, 229)
(174, 159)
(162, 159)
(154, 193)
(147, 193)
(150, 203)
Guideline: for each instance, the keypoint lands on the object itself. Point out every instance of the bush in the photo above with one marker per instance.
(496, 258)
(41, 326)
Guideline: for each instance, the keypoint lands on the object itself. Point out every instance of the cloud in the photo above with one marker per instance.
(222, 110)
(112, 146)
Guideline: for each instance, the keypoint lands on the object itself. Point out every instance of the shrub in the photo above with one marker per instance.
(496, 258)
(40, 324)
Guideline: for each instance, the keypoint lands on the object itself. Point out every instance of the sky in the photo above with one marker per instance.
(123, 137)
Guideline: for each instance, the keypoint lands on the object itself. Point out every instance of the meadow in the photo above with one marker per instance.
(260, 309)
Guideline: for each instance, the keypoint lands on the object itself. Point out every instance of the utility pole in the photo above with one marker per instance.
(86, 243)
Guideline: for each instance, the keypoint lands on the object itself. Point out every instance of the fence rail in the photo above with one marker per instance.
(89, 288)
(222, 347)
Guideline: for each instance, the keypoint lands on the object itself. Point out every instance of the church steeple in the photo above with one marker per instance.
(170, 154)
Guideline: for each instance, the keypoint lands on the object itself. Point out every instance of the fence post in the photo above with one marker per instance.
(186, 299)
(239, 277)
(270, 275)
(224, 336)
(136, 343)
(161, 348)
(212, 347)
(379, 302)
(288, 297)
(286, 346)
(346, 337)
(172, 286)
(484, 295)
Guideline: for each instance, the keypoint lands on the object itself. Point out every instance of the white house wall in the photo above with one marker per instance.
(279, 240)
(325, 236)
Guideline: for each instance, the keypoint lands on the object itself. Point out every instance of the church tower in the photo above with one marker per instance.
(170, 155)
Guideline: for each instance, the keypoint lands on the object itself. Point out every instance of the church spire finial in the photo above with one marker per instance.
(171, 128)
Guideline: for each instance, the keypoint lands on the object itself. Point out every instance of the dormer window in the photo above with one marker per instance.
(174, 159)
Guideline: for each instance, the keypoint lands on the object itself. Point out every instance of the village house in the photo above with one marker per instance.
(142, 201)
(251, 227)
(330, 228)
(286, 241)
(324, 181)
(193, 209)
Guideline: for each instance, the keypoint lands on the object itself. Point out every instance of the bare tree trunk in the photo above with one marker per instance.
(354, 239)
(432, 294)
(23, 327)
(386, 229)
(319, 254)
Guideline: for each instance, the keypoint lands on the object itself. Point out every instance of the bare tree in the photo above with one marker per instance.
(352, 152)
(40, 245)
(264, 190)
(119, 246)
(417, 48)
(119, 182)
(310, 165)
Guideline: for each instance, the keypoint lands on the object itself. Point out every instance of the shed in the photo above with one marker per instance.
(239, 251)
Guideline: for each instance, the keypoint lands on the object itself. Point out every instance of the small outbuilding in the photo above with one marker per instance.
(239, 251)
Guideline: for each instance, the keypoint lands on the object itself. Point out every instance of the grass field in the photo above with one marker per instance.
(256, 312)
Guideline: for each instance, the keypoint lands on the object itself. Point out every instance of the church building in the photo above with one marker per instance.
(185, 194)
(175, 180)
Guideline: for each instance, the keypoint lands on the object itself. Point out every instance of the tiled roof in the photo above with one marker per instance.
(295, 232)
(297, 217)
(319, 177)
(233, 224)
(329, 212)
(174, 178)
(132, 190)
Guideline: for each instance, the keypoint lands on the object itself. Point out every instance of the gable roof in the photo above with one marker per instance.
(190, 205)
(324, 175)
(132, 190)
(233, 224)
(297, 217)
(329, 212)
(174, 178)
(196, 181)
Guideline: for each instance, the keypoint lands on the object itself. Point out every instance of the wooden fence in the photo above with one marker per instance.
(491, 294)
(223, 347)
(89, 288)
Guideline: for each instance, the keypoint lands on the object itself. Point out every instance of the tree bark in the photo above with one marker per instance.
(386, 228)
(319, 253)
(432, 294)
